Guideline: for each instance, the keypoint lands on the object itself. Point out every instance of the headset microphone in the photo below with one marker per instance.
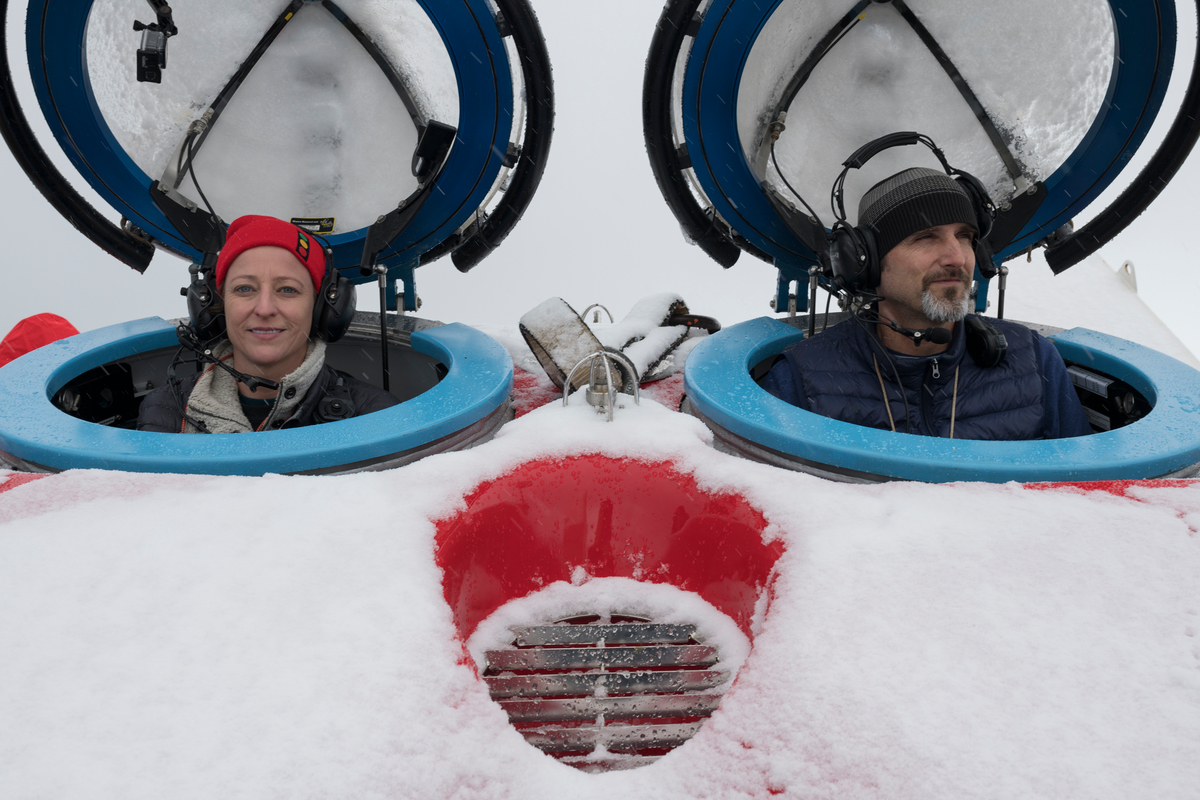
(921, 335)
(187, 338)
(932, 335)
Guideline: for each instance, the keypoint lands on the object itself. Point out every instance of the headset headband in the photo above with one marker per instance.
(901, 139)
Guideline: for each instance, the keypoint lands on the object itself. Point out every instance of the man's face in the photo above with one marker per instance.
(268, 311)
(926, 278)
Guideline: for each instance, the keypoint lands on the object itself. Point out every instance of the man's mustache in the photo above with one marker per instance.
(950, 275)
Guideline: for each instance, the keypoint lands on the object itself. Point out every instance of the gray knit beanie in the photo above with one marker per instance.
(911, 201)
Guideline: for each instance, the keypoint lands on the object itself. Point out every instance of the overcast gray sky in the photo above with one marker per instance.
(597, 231)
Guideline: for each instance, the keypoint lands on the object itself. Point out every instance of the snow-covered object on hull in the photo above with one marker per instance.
(648, 336)
(559, 339)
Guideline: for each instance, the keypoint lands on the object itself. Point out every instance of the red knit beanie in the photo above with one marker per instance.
(257, 231)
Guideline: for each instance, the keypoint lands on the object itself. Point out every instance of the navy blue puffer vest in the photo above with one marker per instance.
(835, 375)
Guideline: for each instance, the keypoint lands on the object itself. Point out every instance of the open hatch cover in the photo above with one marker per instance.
(1045, 102)
(332, 114)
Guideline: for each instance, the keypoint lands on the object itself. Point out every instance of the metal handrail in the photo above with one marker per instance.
(609, 402)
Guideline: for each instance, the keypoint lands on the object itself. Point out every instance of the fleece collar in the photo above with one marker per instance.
(215, 402)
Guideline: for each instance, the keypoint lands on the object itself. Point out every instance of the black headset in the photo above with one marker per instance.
(333, 307)
(851, 260)
(335, 303)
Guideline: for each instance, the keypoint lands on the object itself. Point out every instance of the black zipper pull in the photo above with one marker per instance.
(936, 374)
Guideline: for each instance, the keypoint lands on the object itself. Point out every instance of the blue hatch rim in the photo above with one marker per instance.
(478, 383)
(719, 386)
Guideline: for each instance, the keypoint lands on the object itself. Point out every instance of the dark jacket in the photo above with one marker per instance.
(162, 412)
(1027, 396)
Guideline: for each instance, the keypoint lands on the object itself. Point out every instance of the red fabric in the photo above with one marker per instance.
(32, 333)
(257, 231)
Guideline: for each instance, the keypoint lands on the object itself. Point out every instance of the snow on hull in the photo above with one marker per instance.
(181, 636)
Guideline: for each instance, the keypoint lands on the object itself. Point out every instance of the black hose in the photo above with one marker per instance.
(658, 132)
(1154, 177)
(535, 144)
(50, 182)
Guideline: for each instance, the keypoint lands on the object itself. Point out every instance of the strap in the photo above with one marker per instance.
(954, 401)
(989, 127)
(886, 403)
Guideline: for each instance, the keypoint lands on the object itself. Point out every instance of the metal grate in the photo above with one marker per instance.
(607, 694)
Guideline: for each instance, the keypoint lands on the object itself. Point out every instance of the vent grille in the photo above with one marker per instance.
(608, 694)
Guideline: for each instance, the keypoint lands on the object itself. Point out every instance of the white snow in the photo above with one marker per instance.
(641, 335)
(647, 314)
(249, 637)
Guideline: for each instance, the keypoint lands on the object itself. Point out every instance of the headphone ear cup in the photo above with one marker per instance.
(852, 264)
(334, 308)
(843, 257)
(206, 311)
(985, 210)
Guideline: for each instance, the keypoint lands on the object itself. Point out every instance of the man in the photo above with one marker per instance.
(906, 368)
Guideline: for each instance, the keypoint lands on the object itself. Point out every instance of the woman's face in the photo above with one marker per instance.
(268, 311)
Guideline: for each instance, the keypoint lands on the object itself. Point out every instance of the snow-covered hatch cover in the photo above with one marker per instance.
(310, 109)
(828, 77)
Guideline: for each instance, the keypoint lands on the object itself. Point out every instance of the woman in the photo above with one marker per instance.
(268, 276)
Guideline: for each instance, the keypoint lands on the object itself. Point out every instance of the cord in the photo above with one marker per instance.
(176, 387)
(854, 315)
(783, 178)
(188, 339)
(191, 167)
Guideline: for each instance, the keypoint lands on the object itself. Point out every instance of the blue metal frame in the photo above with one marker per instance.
(56, 33)
(478, 383)
(1144, 56)
(1168, 439)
